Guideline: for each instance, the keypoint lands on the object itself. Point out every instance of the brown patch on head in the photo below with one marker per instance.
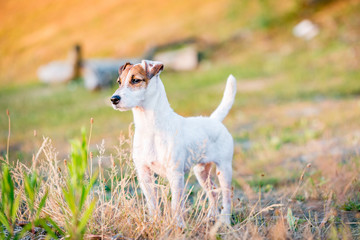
(123, 67)
(155, 70)
(123, 71)
(138, 77)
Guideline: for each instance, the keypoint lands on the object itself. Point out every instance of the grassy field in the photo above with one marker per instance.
(295, 123)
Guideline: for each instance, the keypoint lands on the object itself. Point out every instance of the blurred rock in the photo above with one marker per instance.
(62, 71)
(100, 73)
(183, 59)
(55, 72)
(306, 30)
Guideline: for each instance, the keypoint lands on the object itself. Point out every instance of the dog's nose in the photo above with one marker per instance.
(115, 99)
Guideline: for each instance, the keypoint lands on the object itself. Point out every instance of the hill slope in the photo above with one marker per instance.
(34, 32)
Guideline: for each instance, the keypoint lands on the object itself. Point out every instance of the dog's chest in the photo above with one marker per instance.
(154, 150)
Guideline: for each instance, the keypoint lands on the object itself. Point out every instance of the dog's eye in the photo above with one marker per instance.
(135, 80)
(118, 81)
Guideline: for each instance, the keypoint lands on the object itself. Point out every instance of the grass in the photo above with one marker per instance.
(284, 117)
(119, 208)
(294, 122)
(352, 205)
(193, 93)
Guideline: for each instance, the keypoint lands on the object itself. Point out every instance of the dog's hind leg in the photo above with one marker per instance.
(224, 173)
(202, 172)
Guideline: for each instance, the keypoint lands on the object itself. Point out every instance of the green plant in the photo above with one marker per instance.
(77, 191)
(32, 187)
(291, 219)
(352, 205)
(300, 198)
(9, 204)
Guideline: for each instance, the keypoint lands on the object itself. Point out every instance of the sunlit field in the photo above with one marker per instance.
(295, 124)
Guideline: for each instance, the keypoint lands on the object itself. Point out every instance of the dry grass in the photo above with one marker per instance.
(121, 210)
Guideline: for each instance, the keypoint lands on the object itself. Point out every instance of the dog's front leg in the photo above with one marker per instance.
(176, 180)
(147, 185)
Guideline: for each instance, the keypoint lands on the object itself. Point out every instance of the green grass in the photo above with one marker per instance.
(298, 103)
(298, 76)
(352, 205)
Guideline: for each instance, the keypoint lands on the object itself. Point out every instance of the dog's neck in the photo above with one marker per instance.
(155, 111)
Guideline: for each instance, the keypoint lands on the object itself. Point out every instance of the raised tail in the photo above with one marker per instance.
(227, 101)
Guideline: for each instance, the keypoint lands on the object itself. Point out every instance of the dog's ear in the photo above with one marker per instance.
(123, 67)
(153, 68)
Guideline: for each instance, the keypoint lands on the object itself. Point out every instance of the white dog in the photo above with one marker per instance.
(169, 144)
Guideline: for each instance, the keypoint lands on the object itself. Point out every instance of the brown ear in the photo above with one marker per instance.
(153, 69)
(123, 67)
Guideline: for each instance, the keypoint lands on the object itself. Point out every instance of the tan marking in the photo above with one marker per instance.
(138, 72)
(123, 67)
(123, 72)
(140, 109)
(155, 70)
(129, 72)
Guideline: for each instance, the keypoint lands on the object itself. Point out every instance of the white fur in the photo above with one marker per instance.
(169, 144)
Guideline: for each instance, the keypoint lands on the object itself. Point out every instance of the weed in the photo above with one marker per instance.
(263, 184)
(300, 198)
(291, 220)
(77, 191)
(352, 205)
(31, 185)
(9, 204)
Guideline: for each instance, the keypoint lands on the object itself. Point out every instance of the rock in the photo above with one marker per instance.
(306, 30)
(62, 71)
(55, 72)
(183, 59)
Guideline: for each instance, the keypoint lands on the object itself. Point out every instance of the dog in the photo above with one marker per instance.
(165, 143)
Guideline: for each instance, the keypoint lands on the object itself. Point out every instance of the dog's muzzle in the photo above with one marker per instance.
(115, 99)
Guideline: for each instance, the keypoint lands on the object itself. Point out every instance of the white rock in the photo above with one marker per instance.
(55, 72)
(306, 30)
(183, 59)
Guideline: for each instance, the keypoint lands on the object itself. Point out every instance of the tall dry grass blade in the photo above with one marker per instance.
(8, 138)
(301, 180)
(41, 149)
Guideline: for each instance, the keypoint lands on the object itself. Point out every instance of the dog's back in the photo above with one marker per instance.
(206, 140)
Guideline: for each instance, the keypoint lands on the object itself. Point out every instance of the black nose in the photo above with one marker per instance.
(115, 99)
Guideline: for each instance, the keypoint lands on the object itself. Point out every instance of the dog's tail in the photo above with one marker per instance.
(227, 101)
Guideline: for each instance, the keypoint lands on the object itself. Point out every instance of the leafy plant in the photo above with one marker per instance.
(352, 205)
(9, 204)
(77, 191)
(291, 219)
(32, 187)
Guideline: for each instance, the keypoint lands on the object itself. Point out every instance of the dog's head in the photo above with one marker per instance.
(136, 83)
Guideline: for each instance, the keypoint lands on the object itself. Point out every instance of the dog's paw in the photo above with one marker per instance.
(224, 218)
(179, 221)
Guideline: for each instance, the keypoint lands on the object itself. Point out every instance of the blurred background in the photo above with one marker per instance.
(297, 65)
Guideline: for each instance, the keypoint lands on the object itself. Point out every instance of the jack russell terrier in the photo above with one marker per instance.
(169, 144)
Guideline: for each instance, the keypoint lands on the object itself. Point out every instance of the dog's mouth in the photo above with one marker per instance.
(119, 108)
